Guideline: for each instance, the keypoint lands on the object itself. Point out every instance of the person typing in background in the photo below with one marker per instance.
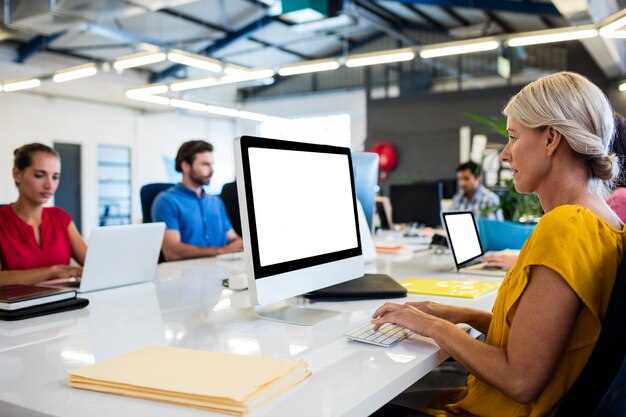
(196, 223)
(37, 242)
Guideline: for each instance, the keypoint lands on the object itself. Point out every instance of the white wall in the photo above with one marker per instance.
(29, 118)
(353, 103)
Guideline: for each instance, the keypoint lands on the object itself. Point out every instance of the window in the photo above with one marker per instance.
(114, 197)
(326, 130)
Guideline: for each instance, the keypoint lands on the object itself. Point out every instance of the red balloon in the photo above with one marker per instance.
(388, 155)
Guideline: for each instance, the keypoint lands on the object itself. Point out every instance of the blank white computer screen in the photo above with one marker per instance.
(463, 236)
(303, 204)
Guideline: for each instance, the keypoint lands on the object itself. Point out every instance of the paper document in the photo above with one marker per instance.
(451, 288)
(212, 381)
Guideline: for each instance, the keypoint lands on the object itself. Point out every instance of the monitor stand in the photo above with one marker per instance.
(286, 313)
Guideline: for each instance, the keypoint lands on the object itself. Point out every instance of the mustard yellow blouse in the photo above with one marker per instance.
(586, 252)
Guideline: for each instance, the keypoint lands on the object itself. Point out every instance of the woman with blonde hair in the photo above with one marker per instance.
(549, 309)
(37, 242)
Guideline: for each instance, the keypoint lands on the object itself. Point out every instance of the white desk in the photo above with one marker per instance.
(188, 307)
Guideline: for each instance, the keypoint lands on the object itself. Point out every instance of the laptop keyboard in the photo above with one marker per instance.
(386, 336)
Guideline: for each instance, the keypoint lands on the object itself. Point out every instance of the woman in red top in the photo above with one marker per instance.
(37, 242)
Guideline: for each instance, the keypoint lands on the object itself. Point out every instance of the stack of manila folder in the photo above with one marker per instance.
(212, 381)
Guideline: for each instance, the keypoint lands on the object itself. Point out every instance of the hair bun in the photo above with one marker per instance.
(605, 167)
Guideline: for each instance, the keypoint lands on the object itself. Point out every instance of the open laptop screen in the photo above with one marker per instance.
(463, 236)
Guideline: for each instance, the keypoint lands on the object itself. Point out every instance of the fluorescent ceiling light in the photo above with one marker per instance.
(310, 66)
(74, 73)
(188, 105)
(247, 76)
(194, 83)
(622, 86)
(552, 36)
(148, 98)
(330, 23)
(194, 60)
(258, 117)
(21, 85)
(609, 31)
(232, 69)
(152, 89)
(222, 111)
(617, 34)
(456, 48)
(137, 60)
(385, 57)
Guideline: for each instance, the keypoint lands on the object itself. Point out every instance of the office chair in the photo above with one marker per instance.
(147, 195)
(231, 202)
(600, 389)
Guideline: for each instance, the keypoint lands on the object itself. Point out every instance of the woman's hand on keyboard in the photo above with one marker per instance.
(406, 316)
(447, 312)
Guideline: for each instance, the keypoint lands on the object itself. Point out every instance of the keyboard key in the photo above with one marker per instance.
(387, 335)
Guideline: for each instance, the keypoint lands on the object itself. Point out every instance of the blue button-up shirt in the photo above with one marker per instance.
(201, 221)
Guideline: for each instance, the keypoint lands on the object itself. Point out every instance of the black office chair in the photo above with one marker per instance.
(600, 389)
(147, 195)
(231, 202)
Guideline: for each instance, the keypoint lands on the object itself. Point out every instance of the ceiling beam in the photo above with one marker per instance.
(456, 16)
(513, 6)
(501, 22)
(252, 91)
(214, 27)
(36, 44)
(433, 22)
(232, 37)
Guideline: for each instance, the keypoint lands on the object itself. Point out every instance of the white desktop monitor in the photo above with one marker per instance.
(365, 166)
(299, 218)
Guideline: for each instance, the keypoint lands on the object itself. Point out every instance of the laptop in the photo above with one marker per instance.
(465, 244)
(119, 256)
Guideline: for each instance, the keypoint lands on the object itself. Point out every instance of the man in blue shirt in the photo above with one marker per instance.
(472, 195)
(196, 223)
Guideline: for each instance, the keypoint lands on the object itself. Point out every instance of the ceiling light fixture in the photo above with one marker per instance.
(257, 117)
(195, 60)
(309, 66)
(17, 85)
(137, 60)
(74, 73)
(188, 105)
(194, 83)
(457, 48)
(148, 98)
(151, 89)
(610, 30)
(249, 75)
(622, 86)
(222, 111)
(384, 57)
(550, 36)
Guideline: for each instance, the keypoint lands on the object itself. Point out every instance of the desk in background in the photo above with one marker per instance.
(187, 307)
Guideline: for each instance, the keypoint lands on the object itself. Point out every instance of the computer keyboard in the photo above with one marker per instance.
(387, 335)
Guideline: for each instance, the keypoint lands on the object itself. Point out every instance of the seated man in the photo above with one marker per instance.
(196, 223)
(472, 195)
